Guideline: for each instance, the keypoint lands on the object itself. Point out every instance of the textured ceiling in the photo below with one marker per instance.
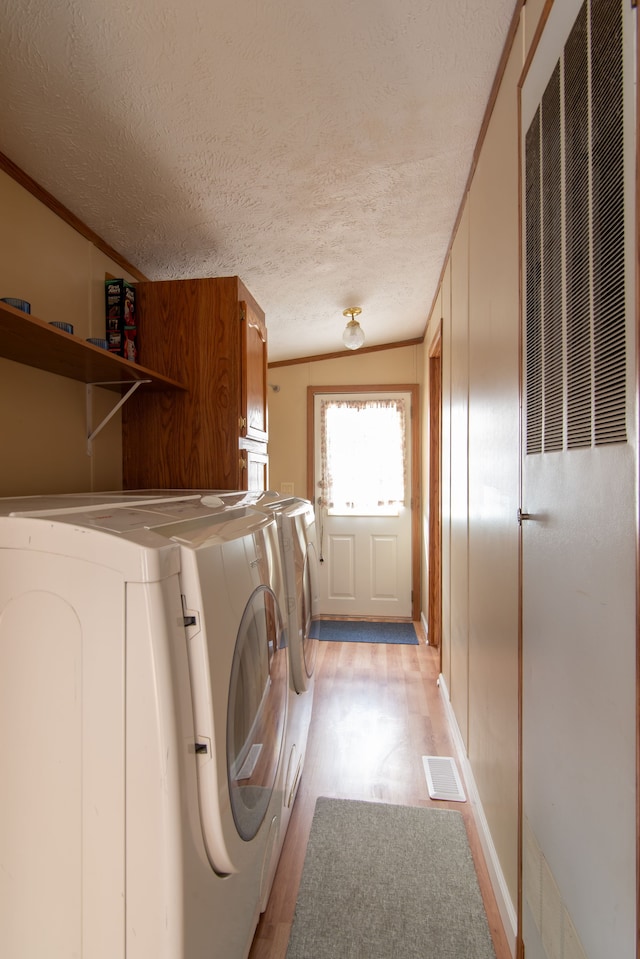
(319, 149)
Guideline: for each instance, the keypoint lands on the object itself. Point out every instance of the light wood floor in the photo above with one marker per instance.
(377, 711)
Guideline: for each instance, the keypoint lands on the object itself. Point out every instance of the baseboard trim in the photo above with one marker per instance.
(506, 909)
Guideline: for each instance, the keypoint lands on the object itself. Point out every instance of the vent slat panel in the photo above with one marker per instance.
(579, 346)
(533, 389)
(443, 779)
(553, 398)
(608, 223)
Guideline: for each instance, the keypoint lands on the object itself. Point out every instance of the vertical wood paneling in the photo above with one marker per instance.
(446, 474)
(434, 590)
(494, 426)
(459, 689)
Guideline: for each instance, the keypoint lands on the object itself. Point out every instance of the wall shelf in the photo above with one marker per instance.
(26, 339)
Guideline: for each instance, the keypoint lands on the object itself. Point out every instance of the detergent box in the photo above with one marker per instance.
(121, 323)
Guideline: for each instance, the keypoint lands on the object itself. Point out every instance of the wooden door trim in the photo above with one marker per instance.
(637, 389)
(414, 390)
(434, 568)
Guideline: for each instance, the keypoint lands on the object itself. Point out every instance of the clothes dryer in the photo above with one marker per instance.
(143, 715)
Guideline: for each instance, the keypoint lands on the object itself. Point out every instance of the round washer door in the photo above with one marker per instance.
(256, 712)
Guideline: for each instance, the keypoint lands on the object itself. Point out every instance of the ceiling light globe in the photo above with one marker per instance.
(353, 337)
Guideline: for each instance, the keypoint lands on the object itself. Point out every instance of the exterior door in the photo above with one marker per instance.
(365, 550)
(579, 488)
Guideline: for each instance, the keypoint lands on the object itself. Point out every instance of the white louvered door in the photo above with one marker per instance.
(578, 485)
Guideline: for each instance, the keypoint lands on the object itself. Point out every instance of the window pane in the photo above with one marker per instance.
(363, 455)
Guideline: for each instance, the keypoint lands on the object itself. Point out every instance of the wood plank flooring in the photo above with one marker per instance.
(377, 711)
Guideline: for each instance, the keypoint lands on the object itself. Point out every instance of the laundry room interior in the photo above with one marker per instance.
(174, 550)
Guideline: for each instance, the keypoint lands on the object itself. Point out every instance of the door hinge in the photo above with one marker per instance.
(190, 620)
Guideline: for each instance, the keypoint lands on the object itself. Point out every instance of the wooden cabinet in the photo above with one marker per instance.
(254, 463)
(254, 373)
(210, 334)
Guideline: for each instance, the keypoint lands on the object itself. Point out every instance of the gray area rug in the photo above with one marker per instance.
(388, 882)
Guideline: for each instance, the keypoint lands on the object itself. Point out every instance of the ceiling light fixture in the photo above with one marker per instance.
(353, 337)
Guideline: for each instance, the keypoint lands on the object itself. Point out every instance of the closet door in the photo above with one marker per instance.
(579, 486)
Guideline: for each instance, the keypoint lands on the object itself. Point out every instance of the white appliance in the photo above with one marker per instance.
(296, 588)
(297, 536)
(143, 714)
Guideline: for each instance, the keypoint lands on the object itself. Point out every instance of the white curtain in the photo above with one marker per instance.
(363, 455)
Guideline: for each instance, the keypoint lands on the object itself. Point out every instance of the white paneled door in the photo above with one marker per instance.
(579, 469)
(363, 503)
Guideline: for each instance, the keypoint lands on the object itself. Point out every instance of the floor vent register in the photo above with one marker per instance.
(443, 779)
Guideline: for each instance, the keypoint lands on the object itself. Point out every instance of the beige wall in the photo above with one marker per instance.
(288, 405)
(42, 416)
(445, 483)
(494, 324)
(478, 306)
(455, 338)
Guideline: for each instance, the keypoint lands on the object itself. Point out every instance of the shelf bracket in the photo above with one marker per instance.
(91, 434)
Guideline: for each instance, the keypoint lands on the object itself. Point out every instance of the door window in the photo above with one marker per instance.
(363, 456)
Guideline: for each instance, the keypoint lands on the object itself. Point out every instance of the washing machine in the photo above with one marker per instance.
(295, 519)
(144, 687)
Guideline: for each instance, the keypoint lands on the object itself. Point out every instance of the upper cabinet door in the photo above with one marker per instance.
(254, 373)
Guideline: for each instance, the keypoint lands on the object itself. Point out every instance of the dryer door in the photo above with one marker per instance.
(256, 712)
(240, 709)
(239, 677)
(303, 585)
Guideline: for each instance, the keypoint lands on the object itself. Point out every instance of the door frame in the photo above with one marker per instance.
(414, 390)
(434, 568)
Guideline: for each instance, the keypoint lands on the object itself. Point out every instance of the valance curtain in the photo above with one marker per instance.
(363, 454)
